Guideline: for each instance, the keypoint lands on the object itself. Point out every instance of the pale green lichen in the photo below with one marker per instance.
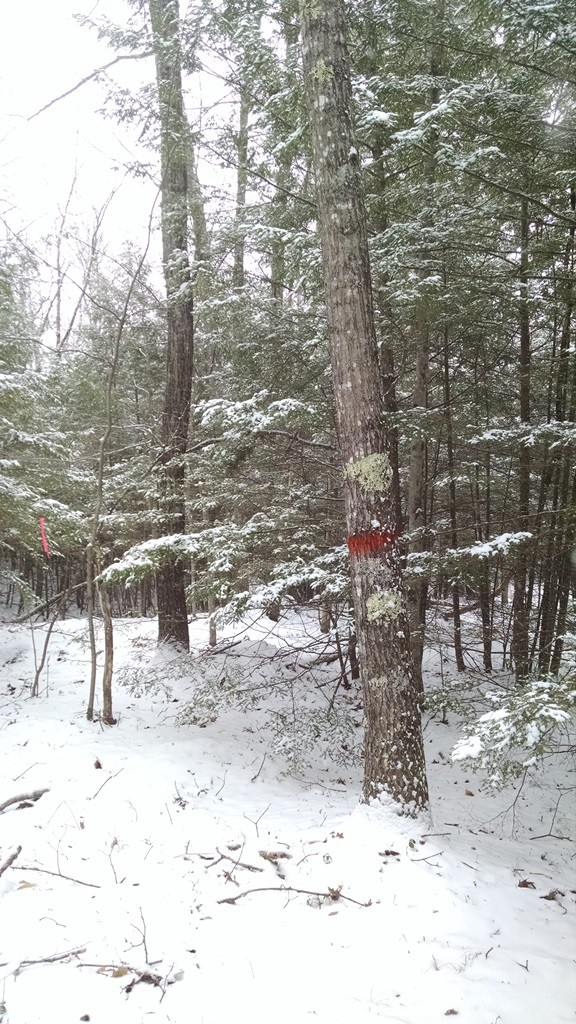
(378, 683)
(310, 8)
(384, 604)
(373, 472)
(321, 72)
(395, 682)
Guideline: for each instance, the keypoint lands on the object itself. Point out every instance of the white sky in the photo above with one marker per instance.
(43, 53)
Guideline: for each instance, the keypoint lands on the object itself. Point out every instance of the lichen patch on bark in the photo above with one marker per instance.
(373, 472)
(384, 604)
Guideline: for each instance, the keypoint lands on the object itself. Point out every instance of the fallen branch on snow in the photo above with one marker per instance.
(57, 874)
(48, 959)
(333, 894)
(8, 863)
(147, 976)
(23, 798)
(236, 863)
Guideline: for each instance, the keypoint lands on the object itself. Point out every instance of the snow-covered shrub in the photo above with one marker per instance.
(215, 690)
(300, 731)
(312, 730)
(523, 725)
(463, 696)
(302, 723)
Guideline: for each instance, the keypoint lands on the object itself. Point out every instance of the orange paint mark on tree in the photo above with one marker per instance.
(371, 542)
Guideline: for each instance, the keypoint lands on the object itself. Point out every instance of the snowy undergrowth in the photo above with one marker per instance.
(183, 873)
(282, 674)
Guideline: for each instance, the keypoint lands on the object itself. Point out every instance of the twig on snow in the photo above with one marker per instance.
(49, 959)
(416, 860)
(549, 834)
(23, 798)
(142, 932)
(254, 777)
(236, 863)
(218, 791)
(167, 982)
(25, 770)
(258, 820)
(57, 874)
(302, 892)
(10, 860)
(125, 968)
(104, 783)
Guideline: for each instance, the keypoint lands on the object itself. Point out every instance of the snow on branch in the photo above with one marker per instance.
(527, 720)
(429, 562)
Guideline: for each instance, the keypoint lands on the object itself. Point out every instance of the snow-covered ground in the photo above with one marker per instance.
(184, 873)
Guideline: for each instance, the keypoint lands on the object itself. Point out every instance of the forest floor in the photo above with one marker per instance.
(192, 874)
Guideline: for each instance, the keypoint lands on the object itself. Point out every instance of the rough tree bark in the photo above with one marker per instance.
(238, 277)
(416, 498)
(174, 136)
(459, 654)
(394, 756)
(521, 611)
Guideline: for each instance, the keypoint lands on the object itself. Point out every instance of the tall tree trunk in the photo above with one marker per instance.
(394, 755)
(386, 351)
(458, 652)
(241, 189)
(559, 568)
(198, 212)
(521, 611)
(418, 467)
(171, 579)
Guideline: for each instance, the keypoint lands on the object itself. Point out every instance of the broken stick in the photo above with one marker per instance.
(23, 798)
(7, 863)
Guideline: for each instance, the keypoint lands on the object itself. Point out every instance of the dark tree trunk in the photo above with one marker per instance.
(458, 652)
(418, 466)
(521, 611)
(386, 351)
(559, 568)
(394, 755)
(171, 578)
(241, 189)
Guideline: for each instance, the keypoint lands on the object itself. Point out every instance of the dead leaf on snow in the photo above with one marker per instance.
(552, 895)
(112, 972)
(525, 883)
(26, 885)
